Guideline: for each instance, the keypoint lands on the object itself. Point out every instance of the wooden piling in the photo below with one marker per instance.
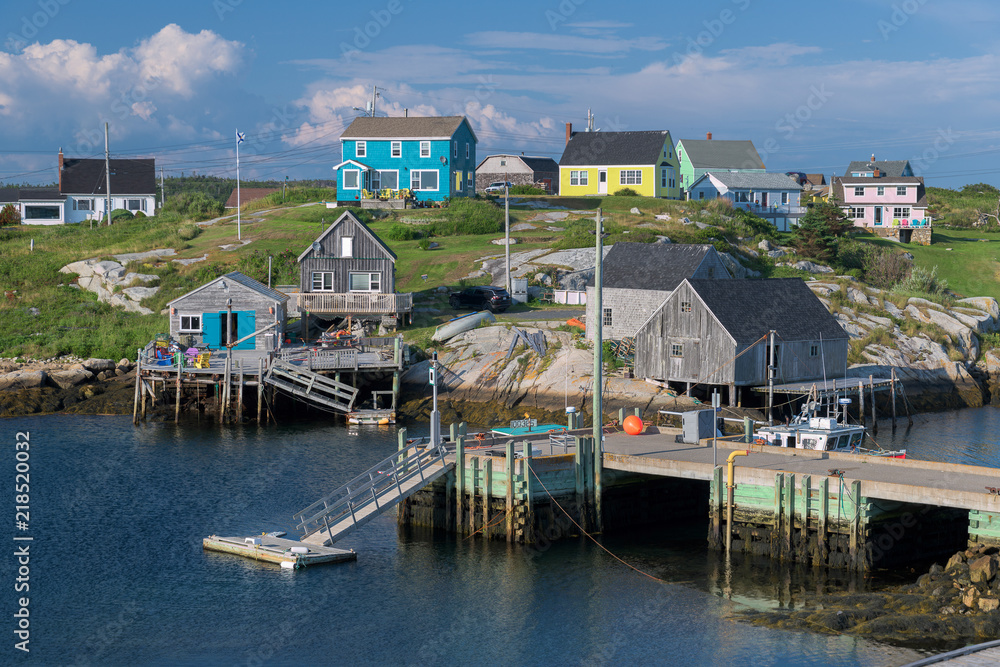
(892, 391)
(871, 394)
(717, 504)
(598, 485)
(528, 488)
(260, 386)
(861, 403)
(473, 479)
(179, 360)
(789, 519)
(509, 470)
(459, 483)
(824, 509)
(138, 382)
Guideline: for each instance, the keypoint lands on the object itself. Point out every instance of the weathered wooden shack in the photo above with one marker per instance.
(227, 309)
(638, 277)
(349, 272)
(715, 332)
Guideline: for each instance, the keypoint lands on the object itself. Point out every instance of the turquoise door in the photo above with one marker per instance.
(217, 329)
(245, 325)
(212, 327)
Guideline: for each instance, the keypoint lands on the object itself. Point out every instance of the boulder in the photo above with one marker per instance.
(986, 304)
(924, 303)
(988, 604)
(811, 267)
(664, 240)
(776, 253)
(98, 365)
(577, 280)
(893, 309)
(140, 293)
(982, 570)
(69, 378)
(84, 269)
(109, 270)
(765, 245)
(969, 597)
(23, 380)
(857, 296)
(635, 211)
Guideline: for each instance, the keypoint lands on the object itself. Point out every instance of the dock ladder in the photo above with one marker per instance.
(371, 493)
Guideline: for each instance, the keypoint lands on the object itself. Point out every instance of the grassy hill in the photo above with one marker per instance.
(43, 315)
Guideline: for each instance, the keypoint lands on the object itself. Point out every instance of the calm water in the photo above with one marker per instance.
(118, 575)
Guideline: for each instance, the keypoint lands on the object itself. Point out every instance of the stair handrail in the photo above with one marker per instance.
(391, 471)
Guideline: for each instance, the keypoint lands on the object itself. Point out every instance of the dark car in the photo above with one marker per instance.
(483, 297)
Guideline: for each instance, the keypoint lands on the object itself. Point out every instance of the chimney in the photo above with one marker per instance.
(708, 136)
(60, 168)
(569, 131)
(406, 113)
(873, 157)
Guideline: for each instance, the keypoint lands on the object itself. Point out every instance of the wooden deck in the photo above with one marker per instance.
(278, 550)
(352, 303)
(978, 655)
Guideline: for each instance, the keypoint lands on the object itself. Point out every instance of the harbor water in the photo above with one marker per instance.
(118, 575)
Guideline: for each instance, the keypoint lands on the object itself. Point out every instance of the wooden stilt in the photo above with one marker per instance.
(871, 394)
(239, 393)
(142, 399)
(138, 382)
(893, 392)
(509, 470)
(260, 387)
(861, 403)
(473, 477)
(459, 483)
(179, 360)
(824, 508)
(487, 493)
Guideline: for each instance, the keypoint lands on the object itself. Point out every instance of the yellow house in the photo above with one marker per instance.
(601, 163)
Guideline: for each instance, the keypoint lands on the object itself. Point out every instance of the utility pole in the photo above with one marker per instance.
(239, 230)
(107, 170)
(374, 97)
(770, 384)
(163, 195)
(598, 345)
(506, 218)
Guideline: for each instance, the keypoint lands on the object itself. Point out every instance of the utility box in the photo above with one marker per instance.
(519, 290)
(697, 424)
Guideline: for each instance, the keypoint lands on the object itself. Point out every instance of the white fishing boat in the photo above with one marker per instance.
(824, 434)
(458, 325)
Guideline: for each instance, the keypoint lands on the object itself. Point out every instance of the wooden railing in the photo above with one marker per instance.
(360, 303)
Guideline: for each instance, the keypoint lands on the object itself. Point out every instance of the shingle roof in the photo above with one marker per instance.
(651, 266)
(721, 153)
(614, 148)
(816, 179)
(242, 279)
(891, 168)
(748, 309)
(366, 127)
(539, 163)
(841, 181)
(9, 195)
(754, 180)
(249, 195)
(128, 177)
(41, 194)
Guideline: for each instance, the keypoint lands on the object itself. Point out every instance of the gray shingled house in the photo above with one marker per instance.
(349, 272)
(715, 333)
(638, 277)
(518, 170)
(202, 317)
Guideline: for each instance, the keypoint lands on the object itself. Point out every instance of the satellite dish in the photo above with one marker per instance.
(316, 246)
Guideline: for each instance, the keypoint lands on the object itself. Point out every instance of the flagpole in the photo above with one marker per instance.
(239, 233)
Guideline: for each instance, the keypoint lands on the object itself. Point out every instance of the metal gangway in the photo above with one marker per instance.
(371, 493)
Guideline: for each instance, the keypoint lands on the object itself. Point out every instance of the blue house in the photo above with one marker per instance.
(433, 158)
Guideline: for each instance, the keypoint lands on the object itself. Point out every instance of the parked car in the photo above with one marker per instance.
(482, 297)
(498, 187)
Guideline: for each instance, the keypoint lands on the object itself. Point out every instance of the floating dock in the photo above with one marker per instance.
(287, 553)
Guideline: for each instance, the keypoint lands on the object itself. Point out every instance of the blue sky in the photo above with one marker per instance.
(813, 85)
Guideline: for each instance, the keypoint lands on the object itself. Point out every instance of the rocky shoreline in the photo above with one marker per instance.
(66, 384)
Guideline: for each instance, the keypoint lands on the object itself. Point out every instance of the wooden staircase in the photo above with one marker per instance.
(312, 387)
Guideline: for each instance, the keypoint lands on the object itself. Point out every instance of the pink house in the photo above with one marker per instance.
(886, 199)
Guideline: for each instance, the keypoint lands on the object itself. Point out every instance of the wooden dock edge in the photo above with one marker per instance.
(277, 550)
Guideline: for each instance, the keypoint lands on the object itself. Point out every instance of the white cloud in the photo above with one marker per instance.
(601, 46)
(180, 59)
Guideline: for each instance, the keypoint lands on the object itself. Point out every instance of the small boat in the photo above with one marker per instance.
(824, 434)
(458, 325)
(372, 417)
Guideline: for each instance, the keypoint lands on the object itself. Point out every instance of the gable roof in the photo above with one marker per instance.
(41, 194)
(748, 309)
(721, 154)
(651, 266)
(532, 162)
(249, 195)
(246, 281)
(618, 148)
(891, 168)
(411, 127)
(816, 179)
(335, 223)
(128, 177)
(840, 182)
(756, 180)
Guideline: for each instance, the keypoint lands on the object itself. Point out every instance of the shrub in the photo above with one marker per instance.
(922, 280)
(625, 192)
(884, 268)
(10, 215)
(195, 205)
(139, 214)
(851, 254)
(400, 232)
(526, 190)
(188, 232)
(119, 215)
(465, 216)
(424, 244)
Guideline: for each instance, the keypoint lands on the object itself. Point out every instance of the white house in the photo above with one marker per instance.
(83, 183)
(775, 197)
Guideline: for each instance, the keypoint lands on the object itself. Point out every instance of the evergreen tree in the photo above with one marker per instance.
(812, 238)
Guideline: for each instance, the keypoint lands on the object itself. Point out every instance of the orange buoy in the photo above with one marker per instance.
(633, 425)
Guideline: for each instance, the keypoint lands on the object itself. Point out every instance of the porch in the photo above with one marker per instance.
(352, 303)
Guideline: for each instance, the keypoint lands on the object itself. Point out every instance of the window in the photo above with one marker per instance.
(466, 150)
(701, 194)
(742, 196)
(322, 281)
(631, 177)
(856, 213)
(607, 317)
(859, 192)
(42, 212)
(351, 179)
(190, 324)
(784, 197)
(503, 163)
(396, 148)
(901, 212)
(361, 149)
(468, 180)
(347, 246)
(686, 306)
(666, 152)
(814, 350)
(577, 177)
(454, 149)
(423, 180)
(83, 204)
(366, 282)
(425, 149)
(676, 349)
(901, 190)
(711, 272)
(880, 190)
(667, 179)
(135, 204)
(386, 179)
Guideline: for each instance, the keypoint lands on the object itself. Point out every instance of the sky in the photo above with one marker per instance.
(813, 85)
